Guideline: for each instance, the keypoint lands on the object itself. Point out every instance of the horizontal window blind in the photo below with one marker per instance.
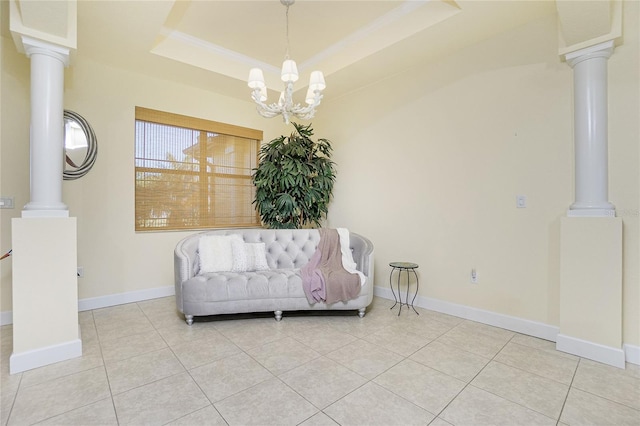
(192, 173)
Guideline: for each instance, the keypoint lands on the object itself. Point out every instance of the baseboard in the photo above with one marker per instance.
(632, 353)
(123, 298)
(590, 350)
(519, 325)
(6, 318)
(28, 360)
(88, 304)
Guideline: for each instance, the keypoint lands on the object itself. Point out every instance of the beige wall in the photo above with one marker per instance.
(14, 140)
(429, 164)
(115, 258)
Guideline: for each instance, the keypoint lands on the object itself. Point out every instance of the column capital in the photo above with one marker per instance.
(601, 50)
(34, 46)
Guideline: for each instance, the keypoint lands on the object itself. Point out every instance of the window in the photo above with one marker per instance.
(193, 173)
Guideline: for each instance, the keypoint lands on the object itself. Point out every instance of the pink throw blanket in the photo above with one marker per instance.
(324, 279)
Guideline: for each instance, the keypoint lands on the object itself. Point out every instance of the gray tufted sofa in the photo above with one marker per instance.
(277, 289)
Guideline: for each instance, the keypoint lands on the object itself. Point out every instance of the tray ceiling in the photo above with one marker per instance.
(213, 44)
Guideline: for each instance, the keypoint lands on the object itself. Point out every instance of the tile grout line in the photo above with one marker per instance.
(320, 410)
(15, 397)
(186, 370)
(17, 388)
(600, 396)
(564, 403)
(408, 357)
(273, 376)
(71, 374)
(479, 372)
(372, 380)
(106, 373)
(569, 386)
(437, 415)
(470, 380)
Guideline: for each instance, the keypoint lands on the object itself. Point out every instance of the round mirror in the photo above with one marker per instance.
(80, 146)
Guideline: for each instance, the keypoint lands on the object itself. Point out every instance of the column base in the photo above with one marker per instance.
(28, 360)
(605, 354)
(26, 214)
(591, 212)
(38, 209)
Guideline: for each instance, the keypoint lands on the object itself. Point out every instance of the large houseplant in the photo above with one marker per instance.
(294, 180)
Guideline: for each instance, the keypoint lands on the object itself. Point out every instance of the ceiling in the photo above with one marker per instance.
(213, 44)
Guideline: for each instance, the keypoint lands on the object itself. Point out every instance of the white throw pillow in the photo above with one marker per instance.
(257, 259)
(248, 257)
(215, 252)
(239, 253)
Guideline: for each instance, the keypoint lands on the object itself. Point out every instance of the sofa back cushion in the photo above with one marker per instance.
(285, 248)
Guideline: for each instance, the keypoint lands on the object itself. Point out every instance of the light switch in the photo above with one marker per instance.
(521, 201)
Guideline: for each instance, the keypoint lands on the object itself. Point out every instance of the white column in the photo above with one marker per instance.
(47, 128)
(590, 130)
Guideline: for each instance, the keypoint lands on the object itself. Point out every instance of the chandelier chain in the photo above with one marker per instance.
(286, 55)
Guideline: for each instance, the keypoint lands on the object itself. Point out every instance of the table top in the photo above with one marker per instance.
(403, 265)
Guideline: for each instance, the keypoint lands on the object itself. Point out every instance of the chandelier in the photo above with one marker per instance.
(289, 75)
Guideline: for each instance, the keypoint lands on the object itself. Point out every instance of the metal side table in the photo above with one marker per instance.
(406, 267)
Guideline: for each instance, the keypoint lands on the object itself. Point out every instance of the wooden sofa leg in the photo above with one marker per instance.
(188, 319)
(278, 315)
(361, 312)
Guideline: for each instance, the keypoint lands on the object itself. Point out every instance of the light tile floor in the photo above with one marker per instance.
(142, 365)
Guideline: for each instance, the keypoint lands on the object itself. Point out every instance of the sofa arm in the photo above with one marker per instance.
(362, 249)
(185, 265)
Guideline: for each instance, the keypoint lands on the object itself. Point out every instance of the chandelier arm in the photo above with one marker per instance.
(297, 109)
(263, 109)
(266, 114)
(288, 108)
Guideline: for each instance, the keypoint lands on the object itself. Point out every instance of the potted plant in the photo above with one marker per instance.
(294, 180)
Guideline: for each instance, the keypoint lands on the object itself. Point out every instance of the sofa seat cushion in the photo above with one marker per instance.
(228, 286)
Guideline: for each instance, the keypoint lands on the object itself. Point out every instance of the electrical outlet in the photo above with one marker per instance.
(80, 271)
(6, 202)
(474, 276)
